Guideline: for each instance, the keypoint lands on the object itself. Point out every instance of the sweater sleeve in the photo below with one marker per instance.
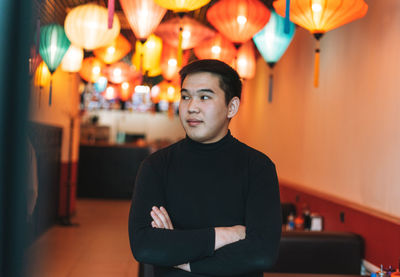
(258, 251)
(160, 246)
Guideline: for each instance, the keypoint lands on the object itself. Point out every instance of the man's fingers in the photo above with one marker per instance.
(161, 220)
(165, 213)
(157, 220)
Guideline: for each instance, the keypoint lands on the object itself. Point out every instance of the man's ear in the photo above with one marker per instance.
(233, 106)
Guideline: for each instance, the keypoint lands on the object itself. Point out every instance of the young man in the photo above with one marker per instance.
(207, 205)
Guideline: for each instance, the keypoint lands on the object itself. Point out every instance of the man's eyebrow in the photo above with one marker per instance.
(199, 91)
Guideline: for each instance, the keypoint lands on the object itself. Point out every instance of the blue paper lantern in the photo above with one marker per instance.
(101, 84)
(272, 42)
(52, 48)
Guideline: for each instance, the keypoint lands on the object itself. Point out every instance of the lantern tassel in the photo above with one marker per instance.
(179, 57)
(316, 68)
(111, 8)
(51, 88)
(271, 84)
(287, 17)
(40, 95)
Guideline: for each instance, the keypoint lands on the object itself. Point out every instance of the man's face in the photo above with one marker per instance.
(203, 111)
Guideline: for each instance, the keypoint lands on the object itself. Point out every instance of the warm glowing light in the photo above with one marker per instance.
(125, 85)
(316, 7)
(110, 93)
(117, 72)
(186, 34)
(242, 62)
(111, 50)
(96, 70)
(72, 61)
(151, 44)
(172, 62)
(241, 19)
(142, 89)
(216, 49)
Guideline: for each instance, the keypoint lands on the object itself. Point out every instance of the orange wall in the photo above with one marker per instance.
(343, 138)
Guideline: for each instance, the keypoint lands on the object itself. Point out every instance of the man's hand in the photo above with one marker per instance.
(228, 235)
(161, 220)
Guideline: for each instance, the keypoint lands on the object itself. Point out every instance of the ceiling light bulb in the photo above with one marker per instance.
(111, 50)
(125, 85)
(172, 62)
(216, 49)
(316, 7)
(96, 70)
(241, 19)
(186, 34)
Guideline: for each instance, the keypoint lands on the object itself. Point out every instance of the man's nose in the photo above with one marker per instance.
(193, 106)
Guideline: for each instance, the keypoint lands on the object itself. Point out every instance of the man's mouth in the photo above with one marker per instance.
(194, 122)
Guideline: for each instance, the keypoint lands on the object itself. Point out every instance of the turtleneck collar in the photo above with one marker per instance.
(227, 140)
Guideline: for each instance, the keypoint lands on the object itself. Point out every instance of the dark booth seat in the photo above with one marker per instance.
(320, 253)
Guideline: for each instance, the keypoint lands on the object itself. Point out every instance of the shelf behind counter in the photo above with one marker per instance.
(108, 170)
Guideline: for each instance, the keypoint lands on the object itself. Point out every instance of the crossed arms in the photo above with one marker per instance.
(217, 251)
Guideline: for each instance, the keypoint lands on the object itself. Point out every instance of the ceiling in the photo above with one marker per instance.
(50, 11)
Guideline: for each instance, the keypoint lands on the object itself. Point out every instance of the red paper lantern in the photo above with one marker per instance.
(143, 16)
(238, 20)
(193, 32)
(120, 72)
(219, 48)
(246, 61)
(111, 92)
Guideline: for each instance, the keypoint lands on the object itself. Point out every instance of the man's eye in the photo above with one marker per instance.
(204, 97)
(184, 97)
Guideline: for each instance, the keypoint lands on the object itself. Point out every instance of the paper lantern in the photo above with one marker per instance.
(148, 55)
(120, 72)
(53, 46)
(219, 48)
(169, 62)
(182, 5)
(169, 92)
(246, 61)
(72, 61)
(321, 16)
(127, 89)
(42, 75)
(101, 84)
(193, 32)
(272, 41)
(91, 69)
(112, 53)
(34, 60)
(86, 26)
(238, 20)
(111, 92)
(143, 16)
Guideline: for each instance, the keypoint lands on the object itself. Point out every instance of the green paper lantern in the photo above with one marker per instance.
(52, 48)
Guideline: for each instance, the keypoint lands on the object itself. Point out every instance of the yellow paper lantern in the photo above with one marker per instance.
(148, 55)
(86, 26)
(182, 5)
(112, 53)
(42, 75)
(246, 61)
(72, 61)
(91, 69)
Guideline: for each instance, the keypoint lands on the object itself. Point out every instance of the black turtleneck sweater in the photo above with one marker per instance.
(203, 186)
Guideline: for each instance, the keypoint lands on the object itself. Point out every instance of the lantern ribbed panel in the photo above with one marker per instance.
(87, 71)
(272, 41)
(182, 5)
(148, 56)
(120, 47)
(334, 13)
(169, 62)
(34, 60)
(246, 61)
(120, 72)
(86, 26)
(219, 48)
(72, 61)
(224, 14)
(42, 75)
(143, 16)
(53, 45)
(169, 32)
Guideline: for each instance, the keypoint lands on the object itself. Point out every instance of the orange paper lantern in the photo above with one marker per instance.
(115, 51)
(91, 69)
(219, 48)
(126, 90)
(238, 20)
(246, 61)
(321, 16)
(169, 91)
(143, 16)
(111, 92)
(42, 75)
(182, 5)
(169, 62)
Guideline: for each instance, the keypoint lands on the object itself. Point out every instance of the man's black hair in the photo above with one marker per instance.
(229, 79)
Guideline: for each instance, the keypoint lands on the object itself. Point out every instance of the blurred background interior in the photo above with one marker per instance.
(320, 98)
